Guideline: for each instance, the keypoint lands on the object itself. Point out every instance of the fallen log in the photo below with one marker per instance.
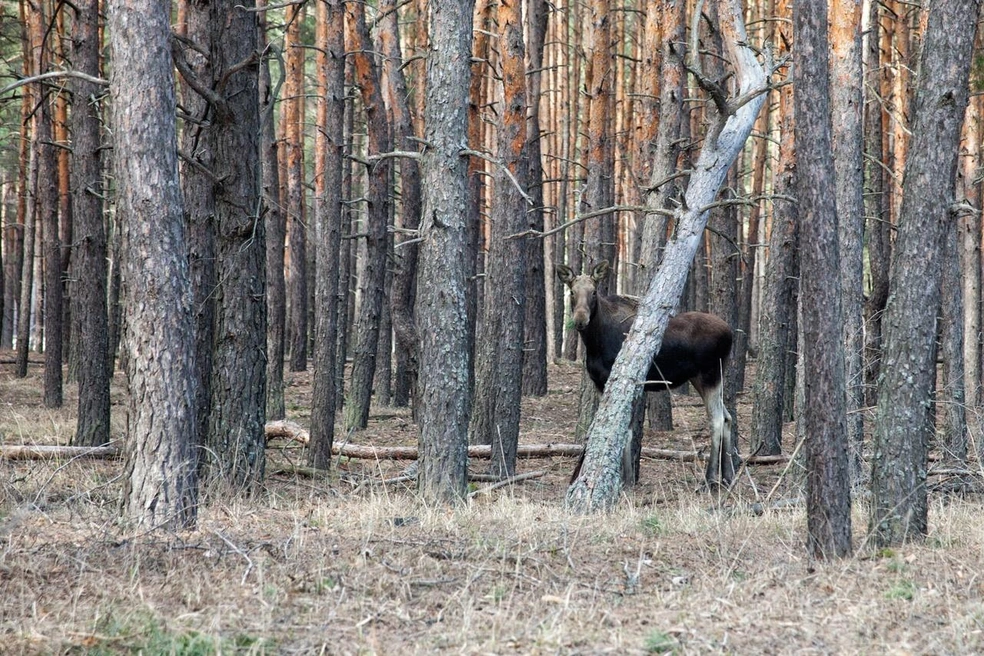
(38, 452)
(293, 431)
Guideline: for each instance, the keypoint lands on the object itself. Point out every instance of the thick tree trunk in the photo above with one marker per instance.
(238, 395)
(160, 489)
(89, 261)
(441, 306)
(828, 496)
(902, 432)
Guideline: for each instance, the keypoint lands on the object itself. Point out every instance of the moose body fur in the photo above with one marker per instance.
(695, 348)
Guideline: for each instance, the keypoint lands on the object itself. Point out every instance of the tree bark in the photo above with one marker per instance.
(14, 231)
(877, 200)
(292, 190)
(828, 491)
(902, 430)
(89, 261)
(198, 195)
(848, 144)
(534, 376)
(596, 241)
(441, 305)
(405, 251)
(951, 401)
(359, 396)
(599, 191)
(276, 231)
(238, 396)
(970, 248)
(663, 187)
(30, 191)
(46, 208)
(330, 140)
(160, 489)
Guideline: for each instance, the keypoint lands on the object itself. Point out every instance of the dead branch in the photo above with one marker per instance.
(51, 76)
(38, 452)
(508, 481)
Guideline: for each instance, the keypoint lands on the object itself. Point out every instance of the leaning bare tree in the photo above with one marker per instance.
(600, 482)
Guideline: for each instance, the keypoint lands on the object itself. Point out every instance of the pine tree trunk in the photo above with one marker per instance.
(276, 233)
(89, 261)
(970, 247)
(404, 276)
(237, 414)
(777, 318)
(877, 199)
(951, 402)
(828, 487)
(848, 144)
(378, 199)
(331, 111)
(499, 366)
(198, 194)
(292, 191)
(160, 489)
(665, 19)
(441, 306)
(46, 208)
(534, 374)
(902, 432)
(598, 241)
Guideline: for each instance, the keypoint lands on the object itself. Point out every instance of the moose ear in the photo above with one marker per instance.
(600, 272)
(565, 273)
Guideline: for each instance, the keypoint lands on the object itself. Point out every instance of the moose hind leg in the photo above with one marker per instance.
(720, 463)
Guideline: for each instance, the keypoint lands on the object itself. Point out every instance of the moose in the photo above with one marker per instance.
(695, 348)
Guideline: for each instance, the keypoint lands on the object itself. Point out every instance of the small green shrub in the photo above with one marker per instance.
(658, 642)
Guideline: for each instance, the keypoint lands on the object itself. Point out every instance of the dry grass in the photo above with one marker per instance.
(348, 566)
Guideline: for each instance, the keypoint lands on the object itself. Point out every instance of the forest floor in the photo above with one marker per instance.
(349, 565)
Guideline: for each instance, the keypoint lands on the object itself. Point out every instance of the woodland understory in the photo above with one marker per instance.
(346, 564)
